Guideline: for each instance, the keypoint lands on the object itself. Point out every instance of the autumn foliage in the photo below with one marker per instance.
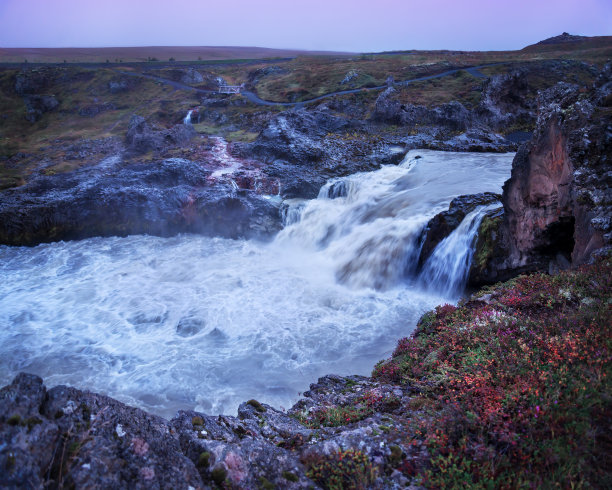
(517, 384)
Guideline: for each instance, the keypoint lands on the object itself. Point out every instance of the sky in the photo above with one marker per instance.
(339, 25)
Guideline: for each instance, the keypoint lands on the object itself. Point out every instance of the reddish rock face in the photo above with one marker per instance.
(538, 195)
(558, 201)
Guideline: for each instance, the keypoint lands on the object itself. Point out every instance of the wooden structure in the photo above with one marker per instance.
(230, 89)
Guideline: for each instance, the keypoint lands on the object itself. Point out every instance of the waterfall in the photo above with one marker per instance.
(369, 225)
(446, 270)
(187, 119)
(141, 318)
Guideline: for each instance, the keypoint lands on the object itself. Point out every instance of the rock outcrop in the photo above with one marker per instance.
(558, 201)
(141, 137)
(452, 116)
(115, 198)
(37, 105)
(67, 437)
(443, 224)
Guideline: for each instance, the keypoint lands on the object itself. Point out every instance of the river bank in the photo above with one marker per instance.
(516, 377)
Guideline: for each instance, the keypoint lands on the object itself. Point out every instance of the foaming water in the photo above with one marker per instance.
(369, 224)
(205, 323)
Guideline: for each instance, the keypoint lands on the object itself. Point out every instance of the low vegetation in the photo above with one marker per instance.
(515, 385)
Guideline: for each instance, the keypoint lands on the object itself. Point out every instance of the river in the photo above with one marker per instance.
(192, 322)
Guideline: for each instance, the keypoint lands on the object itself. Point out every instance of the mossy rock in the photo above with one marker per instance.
(257, 406)
(204, 460)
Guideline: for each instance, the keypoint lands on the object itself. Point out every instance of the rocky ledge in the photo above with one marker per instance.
(67, 437)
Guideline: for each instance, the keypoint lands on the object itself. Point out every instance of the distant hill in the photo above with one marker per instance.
(570, 42)
(149, 53)
(563, 38)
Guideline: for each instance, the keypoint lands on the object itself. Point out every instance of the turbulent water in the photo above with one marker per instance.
(205, 323)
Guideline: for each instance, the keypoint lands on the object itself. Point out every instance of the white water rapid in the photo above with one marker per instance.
(191, 322)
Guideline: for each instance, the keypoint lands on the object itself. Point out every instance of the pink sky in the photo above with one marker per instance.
(347, 25)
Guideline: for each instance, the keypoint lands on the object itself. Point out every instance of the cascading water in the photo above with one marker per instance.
(369, 224)
(187, 119)
(446, 270)
(205, 323)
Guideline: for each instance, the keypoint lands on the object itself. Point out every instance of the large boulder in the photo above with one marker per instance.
(295, 136)
(141, 137)
(192, 77)
(65, 437)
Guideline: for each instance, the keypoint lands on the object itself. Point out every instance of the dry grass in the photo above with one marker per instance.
(146, 53)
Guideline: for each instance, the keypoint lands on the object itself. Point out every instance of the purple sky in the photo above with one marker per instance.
(347, 25)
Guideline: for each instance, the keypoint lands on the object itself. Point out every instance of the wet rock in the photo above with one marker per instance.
(443, 224)
(112, 198)
(478, 140)
(488, 248)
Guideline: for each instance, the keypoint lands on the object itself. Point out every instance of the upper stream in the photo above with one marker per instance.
(204, 323)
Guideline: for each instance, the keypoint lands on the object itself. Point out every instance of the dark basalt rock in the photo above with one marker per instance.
(35, 81)
(67, 437)
(388, 109)
(505, 101)
(170, 196)
(141, 137)
(294, 137)
(37, 105)
(443, 224)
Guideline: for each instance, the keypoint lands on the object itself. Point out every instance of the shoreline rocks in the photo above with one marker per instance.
(65, 436)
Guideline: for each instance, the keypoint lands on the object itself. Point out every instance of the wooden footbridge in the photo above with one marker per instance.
(230, 89)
